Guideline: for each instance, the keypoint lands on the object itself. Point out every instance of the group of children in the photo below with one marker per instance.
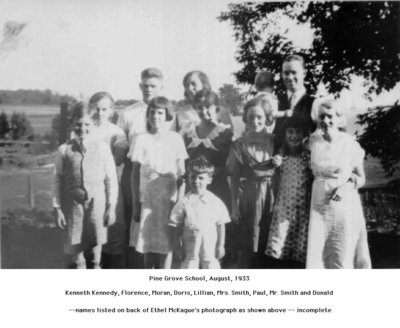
(187, 186)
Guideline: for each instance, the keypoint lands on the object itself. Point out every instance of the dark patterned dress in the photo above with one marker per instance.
(215, 148)
(288, 232)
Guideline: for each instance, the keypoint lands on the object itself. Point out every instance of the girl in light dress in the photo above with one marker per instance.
(287, 239)
(85, 191)
(186, 115)
(251, 161)
(102, 108)
(158, 158)
(337, 236)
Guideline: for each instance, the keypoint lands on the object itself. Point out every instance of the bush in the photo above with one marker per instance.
(381, 137)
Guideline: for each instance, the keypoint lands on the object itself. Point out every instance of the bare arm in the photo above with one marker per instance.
(234, 181)
(111, 188)
(233, 167)
(175, 226)
(358, 176)
(57, 187)
(356, 181)
(220, 250)
(225, 117)
(283, 113)
(119, 154)
(176, 241)
(181, 184)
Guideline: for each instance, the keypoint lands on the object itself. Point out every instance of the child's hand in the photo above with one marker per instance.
(59, 218)
(235, 214)
(109, 216)
(220, 252)
(289, 113)
(277, 160)
(270, 119)
(340, 192)
(332, 172)
(179, 254)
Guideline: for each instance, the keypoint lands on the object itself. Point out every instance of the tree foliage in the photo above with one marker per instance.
(381, 137)
(360, 38)
(32, 97)
(231, 98)
(21, 127)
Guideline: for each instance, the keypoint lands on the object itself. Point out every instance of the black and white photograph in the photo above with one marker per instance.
(222, 135)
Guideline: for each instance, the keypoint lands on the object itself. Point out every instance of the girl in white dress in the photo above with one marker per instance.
(158, 158)
(337, 236)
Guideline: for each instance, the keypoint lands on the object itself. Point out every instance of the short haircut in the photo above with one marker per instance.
(296, 123)
(80, 110)
(263, 102)
(264, 79)
(327, 103)
(292, 57)
(99, 96)
(151, 72)
(200, 165)
(161, 102)
(206, 98)
(202, 77)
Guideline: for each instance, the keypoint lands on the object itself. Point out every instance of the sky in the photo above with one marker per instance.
(80, 47)
(86, 46)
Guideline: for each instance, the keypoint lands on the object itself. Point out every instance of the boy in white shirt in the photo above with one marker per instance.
(199, 219)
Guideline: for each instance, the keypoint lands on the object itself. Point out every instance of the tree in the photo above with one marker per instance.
(4, 125)
(32, 97)
(21, 127)
(381, 137)
(231, 97)
(349, 38)
(360, 38)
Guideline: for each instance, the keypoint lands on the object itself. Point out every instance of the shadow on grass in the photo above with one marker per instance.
(30, 247)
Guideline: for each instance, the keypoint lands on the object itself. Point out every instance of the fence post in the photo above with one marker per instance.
(31, 191)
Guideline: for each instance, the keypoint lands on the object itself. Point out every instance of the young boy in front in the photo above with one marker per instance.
(198, 220)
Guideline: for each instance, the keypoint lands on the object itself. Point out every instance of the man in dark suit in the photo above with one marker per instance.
(295, 102)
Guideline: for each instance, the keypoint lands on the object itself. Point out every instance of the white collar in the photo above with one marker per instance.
(298, 94)
(203, 198)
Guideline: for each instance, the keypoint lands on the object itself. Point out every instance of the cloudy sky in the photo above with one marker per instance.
(82, 46)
